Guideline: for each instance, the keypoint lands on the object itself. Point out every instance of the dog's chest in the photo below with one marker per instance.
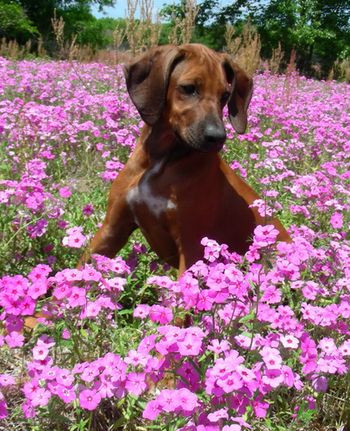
(146, 198)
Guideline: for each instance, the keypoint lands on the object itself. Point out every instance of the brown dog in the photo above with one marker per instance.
(175, 187)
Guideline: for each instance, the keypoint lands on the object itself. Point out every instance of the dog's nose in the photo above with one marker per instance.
(214, 134)
(214, 137)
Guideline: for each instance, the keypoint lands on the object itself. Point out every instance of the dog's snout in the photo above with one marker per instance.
(214, 135)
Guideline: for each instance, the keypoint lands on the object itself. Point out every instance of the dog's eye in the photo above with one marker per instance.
(189, 90)
(225, 97)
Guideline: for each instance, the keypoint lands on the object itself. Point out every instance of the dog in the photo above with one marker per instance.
(176, 187)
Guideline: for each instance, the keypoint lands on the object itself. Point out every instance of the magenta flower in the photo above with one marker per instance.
(65, 192)
(89, 399)
(136, 383)
(14, 339)
(160, 314)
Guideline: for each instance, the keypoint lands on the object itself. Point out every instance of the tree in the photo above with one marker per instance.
(319, 30)
(40, 12)
(14, 23)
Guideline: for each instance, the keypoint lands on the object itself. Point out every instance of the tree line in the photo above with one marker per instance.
(318, 31)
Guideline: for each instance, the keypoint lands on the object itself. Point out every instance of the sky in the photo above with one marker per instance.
(118, 11)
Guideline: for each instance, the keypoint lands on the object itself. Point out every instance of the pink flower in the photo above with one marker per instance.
(64, 377)
(37, 289)
(217, 415)
(40, 352)
(88, 210)
(136, 383)
(271, 357)
(289, 341)
(186, 399)
(75, 238)
(218, 347)
(77, 297)
(337, 220)
(89, 399)
(160, 314)
(66, 394)
(3, 407)
(168, 401)
(232, 428)
(265, 235)
(65, 192)
(40, 397)
(14, 339)
(6, 380)
(190, 346)
(152, 410)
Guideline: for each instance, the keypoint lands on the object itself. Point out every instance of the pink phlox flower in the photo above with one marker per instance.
(147, 344)
(116, 284)
(6, 380)
(188, 401)
(265, 235)
(64, 377)
(152, 410)
(67, 394)
(218, 347)
(91, 310)
(89, 399)
(136, 383)
(271, 358)
(289, 341)
(65, 192)
(14, 339)
(136, 358)
(328, 346)
(190, 346)
(141, 311)
(217, 415)
(38, 289)
(89, 273)
(337, 220)
(40, 272)
(3, 407)
(190, 375)
(231, 382)
(40, 397)
(263, 209)
(89, 373)
(160, 314)
(77, 297)
(344, 348)
(234, 427)
(75, 238)
(245, 373)
(273, 377)
(168, 401)
(211, 249)
(40, 351)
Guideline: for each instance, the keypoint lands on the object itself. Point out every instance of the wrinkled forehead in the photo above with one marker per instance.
(200, 66)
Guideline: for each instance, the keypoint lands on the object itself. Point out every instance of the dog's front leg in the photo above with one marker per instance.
(115, 231)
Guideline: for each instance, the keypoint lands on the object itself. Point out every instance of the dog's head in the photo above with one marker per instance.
(188, 87)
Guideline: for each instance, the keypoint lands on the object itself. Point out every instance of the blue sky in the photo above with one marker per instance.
(118, 11)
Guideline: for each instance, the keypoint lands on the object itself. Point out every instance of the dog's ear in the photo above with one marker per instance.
(242, 90)
(147, 80)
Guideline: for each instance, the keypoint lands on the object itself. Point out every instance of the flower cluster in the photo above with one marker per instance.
(236, 338)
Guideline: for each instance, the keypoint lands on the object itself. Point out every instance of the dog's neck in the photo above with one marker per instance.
(161, 144)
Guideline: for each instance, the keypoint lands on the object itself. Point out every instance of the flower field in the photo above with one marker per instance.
(268, 341)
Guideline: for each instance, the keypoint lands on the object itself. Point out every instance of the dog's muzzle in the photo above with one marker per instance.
(214, 137)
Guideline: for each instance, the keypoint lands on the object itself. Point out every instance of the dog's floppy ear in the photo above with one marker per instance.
(242, 90)
(147, 80)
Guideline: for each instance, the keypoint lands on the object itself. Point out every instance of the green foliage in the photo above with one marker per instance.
(318, 30)
(14, 23)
